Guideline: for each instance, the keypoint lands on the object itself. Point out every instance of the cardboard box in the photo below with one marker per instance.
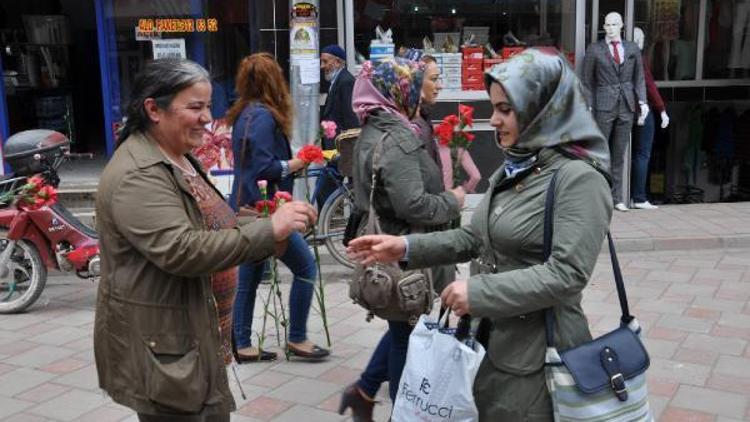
(452, 59)
(473, 53)
(488, 63)
(473, 79)
(452, 83)
(472, 65)
(509, 52)
(473, 87)
(381, 49)
(451, 71)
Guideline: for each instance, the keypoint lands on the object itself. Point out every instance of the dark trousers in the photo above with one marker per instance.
(183, 418)
(326, 186)
(388, 360)
(616, 125)
(302, 264)
(643, 141)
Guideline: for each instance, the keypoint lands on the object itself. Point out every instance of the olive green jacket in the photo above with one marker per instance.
(409, 192)
(156, 333)
(507, 230)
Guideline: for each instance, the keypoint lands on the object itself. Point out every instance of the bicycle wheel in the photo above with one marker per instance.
(333, 219)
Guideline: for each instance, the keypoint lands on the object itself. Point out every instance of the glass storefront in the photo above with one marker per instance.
(445, 25)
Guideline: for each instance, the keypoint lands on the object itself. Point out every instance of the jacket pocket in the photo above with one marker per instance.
(175, 377)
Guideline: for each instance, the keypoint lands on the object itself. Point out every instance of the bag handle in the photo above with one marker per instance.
(549, 315)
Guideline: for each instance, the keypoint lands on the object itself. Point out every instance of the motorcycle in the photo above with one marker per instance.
(32, 241)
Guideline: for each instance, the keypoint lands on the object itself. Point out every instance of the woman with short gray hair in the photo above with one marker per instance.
(169, 250)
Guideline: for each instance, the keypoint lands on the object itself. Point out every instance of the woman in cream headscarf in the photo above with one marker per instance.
(543, 126)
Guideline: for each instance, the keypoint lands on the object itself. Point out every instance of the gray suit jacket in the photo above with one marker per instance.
(605, 81)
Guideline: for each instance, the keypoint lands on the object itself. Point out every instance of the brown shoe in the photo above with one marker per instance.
(361, 406)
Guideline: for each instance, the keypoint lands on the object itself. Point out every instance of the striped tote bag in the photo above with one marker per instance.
(604, 379)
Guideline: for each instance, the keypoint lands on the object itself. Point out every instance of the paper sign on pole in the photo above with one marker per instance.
(309, 71)
(172, 48)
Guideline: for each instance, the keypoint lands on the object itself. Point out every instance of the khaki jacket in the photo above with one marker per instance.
(508, 226)
(156, 333)
(409, 193)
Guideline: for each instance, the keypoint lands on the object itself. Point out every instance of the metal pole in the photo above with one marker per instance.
(580, 26)
(304, 75)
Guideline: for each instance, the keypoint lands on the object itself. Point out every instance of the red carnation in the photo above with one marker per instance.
(265, 207)
(311, 154)
(281, 197)
(467, 114)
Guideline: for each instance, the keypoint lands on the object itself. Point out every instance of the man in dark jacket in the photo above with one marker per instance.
(338, 105)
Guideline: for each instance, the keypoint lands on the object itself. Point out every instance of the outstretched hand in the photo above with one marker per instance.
(376, 248)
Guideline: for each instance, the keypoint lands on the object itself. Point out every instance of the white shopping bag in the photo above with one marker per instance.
(437, 381)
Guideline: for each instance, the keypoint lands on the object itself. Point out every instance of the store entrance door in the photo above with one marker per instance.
(49, 78)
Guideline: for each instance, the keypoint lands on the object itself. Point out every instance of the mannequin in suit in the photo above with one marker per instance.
(616, 90)
(338, 105)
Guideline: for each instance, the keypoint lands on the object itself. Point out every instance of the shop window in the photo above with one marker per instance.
(214, 34)
(512, 24)
(727, 43)
(671, 30)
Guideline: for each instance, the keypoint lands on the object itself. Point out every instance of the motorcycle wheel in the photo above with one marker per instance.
(26, 277)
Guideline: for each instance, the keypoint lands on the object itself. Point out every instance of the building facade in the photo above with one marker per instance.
(68, 65)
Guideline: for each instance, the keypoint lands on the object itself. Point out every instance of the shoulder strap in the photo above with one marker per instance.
(245, 144)
(373, 223)
(549, 215)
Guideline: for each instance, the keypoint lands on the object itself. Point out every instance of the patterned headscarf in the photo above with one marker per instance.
(393, 85)
(550, 106)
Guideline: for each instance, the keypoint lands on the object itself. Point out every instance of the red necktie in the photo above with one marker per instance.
(616, 53)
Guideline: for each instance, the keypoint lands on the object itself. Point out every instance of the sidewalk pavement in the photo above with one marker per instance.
(691, 295)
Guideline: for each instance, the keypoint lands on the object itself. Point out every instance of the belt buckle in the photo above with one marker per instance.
(617, 381)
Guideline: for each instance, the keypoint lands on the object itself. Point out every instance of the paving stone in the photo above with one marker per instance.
(308, 414)
(724, 345)
(304, 368)
(305, 391)
(39, 356)
(710, 401)
(661, 387)
(730, 383)
(661, 348)
(21, 379)
(43, 392)
(684, 373)
(71, 405)
(264, 408)
(269, 379)
(700, 357)
(341, 375)
(674, 414)
(9, 406)
(106, 413)
(738, 320)
(60, 336)
(64, 366)
(691, 324)
(25, 417)
(707, 302)
(84, 378)
(734, 366)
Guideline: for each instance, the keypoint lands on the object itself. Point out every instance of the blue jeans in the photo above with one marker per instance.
(642, 143)
(387, 361)
(302, 264)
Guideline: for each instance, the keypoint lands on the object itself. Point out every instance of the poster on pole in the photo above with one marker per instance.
(309, 71)
(303, 32)
(172, 48)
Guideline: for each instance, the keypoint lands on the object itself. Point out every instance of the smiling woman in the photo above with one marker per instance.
(169, 250)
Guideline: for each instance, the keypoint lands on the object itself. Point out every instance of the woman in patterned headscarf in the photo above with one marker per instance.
(543, 126)
(409, 195)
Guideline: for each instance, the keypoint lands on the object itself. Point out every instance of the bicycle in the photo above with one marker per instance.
(334, 213)
(338, 207)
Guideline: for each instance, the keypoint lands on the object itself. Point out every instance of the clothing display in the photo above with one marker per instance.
(665, 19)
(683, 57)
(739, 57)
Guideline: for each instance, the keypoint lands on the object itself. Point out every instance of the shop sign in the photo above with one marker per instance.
(304, 10)
(179, 25)
(141, 35)
(172, 48)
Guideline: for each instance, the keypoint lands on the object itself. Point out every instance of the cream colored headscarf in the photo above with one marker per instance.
(550, 106)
